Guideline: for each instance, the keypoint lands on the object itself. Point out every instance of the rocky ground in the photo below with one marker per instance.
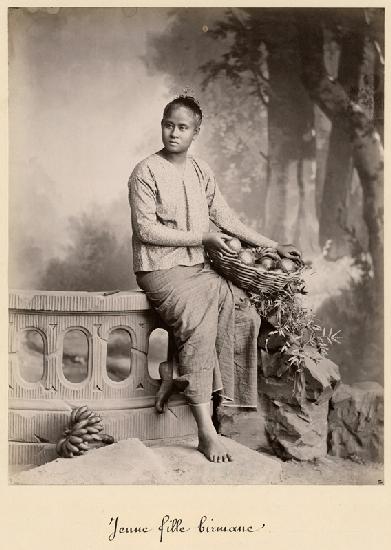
(180, 463)
(332, 471)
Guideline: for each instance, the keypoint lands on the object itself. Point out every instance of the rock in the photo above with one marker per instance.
(298, 432)
(128, 461)
(279, 389)
(272, 364)
(321, 377)
(131, 462)
(246, 426)
(275, 378)
(184, 465)
(356, 422)
(297, 403)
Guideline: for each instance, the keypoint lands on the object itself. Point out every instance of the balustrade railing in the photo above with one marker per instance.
(47, 378)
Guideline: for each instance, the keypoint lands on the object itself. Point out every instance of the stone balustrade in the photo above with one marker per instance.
(39, 410)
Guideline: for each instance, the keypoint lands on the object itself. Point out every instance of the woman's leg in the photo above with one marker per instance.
(167, 387)
(209, 442)
(191, 301)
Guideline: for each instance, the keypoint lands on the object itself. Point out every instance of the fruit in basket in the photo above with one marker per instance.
(234, 244)
(246, 257)
(289, 266)
(262, 252)
(268, 263)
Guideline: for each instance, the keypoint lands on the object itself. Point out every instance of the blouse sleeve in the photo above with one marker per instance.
(146, 226)
(226, 219)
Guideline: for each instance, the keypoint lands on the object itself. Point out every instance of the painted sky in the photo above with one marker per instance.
(82, 106)
(83, 109)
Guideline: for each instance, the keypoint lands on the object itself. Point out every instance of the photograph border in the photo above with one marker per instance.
(298, 517)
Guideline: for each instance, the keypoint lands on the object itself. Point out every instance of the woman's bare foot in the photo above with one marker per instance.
(209, 443)
(167, 388)
(211, 446)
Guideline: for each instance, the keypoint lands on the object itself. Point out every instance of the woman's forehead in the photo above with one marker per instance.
(180, 113)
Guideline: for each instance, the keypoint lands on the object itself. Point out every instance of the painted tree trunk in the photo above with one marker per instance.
(305, 231)
(367, 150)
(332, 217)
(276, 202)
(323, 130)
(333, 214)
(290, 116)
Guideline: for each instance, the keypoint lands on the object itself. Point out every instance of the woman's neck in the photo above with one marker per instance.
(179, 159)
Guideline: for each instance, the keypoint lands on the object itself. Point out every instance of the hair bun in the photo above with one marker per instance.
(188, 93)
(188, 101)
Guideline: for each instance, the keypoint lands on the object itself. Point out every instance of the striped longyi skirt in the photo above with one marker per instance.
(215, 331)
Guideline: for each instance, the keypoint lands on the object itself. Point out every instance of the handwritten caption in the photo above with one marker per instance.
(177, 526)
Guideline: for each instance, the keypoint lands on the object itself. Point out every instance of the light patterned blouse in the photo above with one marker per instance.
(171, 209)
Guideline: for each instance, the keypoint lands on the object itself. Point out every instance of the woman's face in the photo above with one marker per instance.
(179, 129)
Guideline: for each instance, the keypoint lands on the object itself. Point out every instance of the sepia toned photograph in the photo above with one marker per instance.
(196, 246)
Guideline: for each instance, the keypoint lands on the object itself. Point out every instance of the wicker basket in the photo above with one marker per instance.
(250, 278)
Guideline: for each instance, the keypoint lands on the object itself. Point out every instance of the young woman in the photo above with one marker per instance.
(173, 197)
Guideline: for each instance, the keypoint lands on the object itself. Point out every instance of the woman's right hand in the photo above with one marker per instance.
(288, 251)
(217, 241)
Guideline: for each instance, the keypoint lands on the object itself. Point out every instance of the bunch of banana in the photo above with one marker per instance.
(85, 428)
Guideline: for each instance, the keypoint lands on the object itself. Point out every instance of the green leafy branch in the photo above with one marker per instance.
(295, 324)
